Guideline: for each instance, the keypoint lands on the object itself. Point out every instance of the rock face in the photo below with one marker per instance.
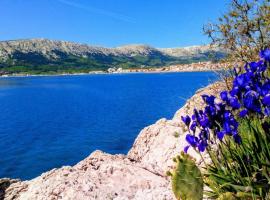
(100, 176)
(139, 175)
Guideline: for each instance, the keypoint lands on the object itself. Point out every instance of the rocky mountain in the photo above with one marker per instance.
(43, 56)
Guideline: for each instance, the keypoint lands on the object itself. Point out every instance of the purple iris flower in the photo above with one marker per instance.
(186, 120)
(210, 110)
(210, 100)
(233, 123)
(251, 101)
(220, 134)
(235, 91)
(250, 94)
(224, 95)
(234, 103)
(247, 87)
(263, 67)
(227, 128)
(202, 146)
(186, 148)
(254, 66)
(243, 113)
(220, 107)
(265, 88)
(266, 100)
(265, 54)
(241, 80)
(192, 140)
(204, 121)
(227, 115)
(204, 135)
(193, 126)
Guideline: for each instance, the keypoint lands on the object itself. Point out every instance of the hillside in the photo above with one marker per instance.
(48, 56)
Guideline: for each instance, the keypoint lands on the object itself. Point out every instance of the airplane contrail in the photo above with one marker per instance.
(98, 11)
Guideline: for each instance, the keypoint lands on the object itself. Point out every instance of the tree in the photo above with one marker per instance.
(243, 31)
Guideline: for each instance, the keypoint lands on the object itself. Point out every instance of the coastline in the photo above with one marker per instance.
(103, 73)
(193, 67)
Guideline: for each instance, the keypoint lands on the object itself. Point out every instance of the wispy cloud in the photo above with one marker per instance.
(91, 9)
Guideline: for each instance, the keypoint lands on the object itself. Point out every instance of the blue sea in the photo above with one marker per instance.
(51, 121)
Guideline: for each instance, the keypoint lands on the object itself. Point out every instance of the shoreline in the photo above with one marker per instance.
(105, 73)
(180, 68)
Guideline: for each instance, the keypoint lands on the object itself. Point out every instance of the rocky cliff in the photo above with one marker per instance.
(138, 175)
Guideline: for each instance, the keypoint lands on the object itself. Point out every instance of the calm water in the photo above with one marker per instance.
(47, 122)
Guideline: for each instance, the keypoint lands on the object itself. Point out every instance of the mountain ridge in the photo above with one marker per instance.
(44, 55)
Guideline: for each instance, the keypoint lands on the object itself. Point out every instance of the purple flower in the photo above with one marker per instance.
(241, 80)
(204, 121)
(192, 140)
(193, 126)
(250, 95)
(234, 91)
(227, 128)
(266, 100)
(265, 54)
(210, 100)
(186, 148)
(186, 120)
(220, 134)
(204, 135)
(265, 88)
(243, 113)
(254, 66)
(234, 103)
(224, 95)
(251, 101)
(202, 146)
(227, 115)
(263, 67)
(234, 124)
(210, 110)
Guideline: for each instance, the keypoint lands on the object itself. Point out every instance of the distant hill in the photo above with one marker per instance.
(48, 56)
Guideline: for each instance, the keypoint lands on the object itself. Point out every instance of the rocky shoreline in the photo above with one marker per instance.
(140, 175)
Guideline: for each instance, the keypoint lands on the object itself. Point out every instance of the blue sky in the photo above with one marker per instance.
(110, 23)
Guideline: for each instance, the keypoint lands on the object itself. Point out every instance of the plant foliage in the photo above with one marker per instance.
(244, 30)
(187, 182)
(235, 132)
